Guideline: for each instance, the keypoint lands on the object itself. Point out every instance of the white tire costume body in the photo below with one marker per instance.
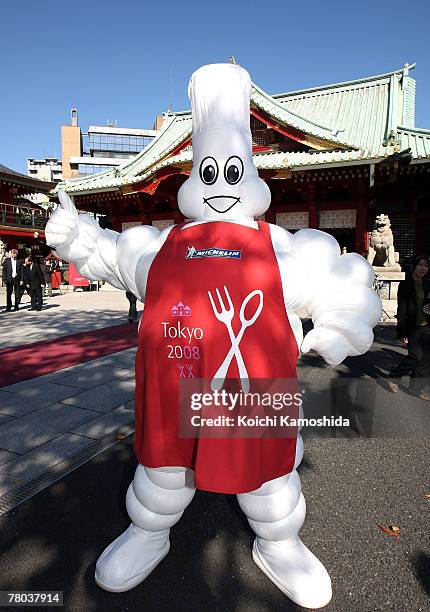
(334, 290)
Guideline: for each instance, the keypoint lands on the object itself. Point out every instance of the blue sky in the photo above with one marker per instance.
(112, 60)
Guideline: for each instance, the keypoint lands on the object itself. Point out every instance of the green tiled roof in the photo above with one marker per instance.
(286, 116)
(417, 140)
(360, 112)
(367, 111)
(371, 118)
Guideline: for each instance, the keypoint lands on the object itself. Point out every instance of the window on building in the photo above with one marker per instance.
(116, 143)
(88, 169)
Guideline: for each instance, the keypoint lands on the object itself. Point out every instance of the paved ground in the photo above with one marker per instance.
(53, 540)
(375, 471)
(47, 419)
(62, 315)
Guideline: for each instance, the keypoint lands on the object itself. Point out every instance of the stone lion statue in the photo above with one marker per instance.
(381, 249)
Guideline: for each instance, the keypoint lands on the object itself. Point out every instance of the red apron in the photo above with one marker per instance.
(193, 261)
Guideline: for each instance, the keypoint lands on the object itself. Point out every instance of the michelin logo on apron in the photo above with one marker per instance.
(193, 253)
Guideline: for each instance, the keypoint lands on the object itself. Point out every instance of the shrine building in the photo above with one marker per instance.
(333, 156)
(22, 221)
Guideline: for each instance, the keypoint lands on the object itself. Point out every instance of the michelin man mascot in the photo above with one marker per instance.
(195, 263)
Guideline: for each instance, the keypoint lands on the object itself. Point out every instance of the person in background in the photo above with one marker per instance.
(33, 278)
(45, 266)
(12, 277)
(413, 329)
(3, 251)
(132, 311)
(24, 284)
(55, 273)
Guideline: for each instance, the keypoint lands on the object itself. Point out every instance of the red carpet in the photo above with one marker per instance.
(24, 362)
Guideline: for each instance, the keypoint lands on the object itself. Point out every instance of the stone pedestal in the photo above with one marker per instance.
(391, 278)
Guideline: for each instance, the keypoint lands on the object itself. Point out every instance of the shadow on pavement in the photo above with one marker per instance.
(421, 563)
(52, 541)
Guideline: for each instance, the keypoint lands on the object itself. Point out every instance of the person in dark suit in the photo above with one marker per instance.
(132, 311)
(413, 328)
(12, 277)
(33, 278)
(45, 266)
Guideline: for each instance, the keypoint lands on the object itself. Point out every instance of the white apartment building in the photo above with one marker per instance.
(48, 169)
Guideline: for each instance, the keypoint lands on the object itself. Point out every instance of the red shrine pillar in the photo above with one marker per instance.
(361, 221)
(313, 211)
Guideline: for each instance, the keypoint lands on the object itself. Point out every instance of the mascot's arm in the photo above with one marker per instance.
(98, 254)
(336, 292)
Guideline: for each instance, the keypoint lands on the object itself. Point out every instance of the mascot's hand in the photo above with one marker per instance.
(331, 345)
(63, 225)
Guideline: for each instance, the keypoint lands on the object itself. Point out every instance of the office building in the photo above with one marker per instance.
(100, 148)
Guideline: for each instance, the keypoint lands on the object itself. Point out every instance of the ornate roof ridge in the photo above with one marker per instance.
(380, 77)
(418, 130)
(177, 113)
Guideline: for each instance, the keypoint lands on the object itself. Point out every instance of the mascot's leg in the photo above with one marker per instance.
(299, 452)
(276, 512)
(155, 501)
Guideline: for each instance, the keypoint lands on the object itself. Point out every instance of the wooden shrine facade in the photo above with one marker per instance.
(342, 201)
(22, 223)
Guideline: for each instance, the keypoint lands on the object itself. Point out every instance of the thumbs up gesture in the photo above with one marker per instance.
(62, 227)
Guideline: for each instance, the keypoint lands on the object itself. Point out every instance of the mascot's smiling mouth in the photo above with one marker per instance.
(221, 204)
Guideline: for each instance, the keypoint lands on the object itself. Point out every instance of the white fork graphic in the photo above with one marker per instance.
(226, 316)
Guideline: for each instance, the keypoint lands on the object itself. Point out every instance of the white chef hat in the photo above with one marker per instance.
(220, 98)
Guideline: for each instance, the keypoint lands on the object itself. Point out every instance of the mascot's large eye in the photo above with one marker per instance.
(233, 170)
(208, 170)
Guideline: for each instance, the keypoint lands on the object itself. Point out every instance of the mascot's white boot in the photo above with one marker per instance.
(276, 512)
(156, 500)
